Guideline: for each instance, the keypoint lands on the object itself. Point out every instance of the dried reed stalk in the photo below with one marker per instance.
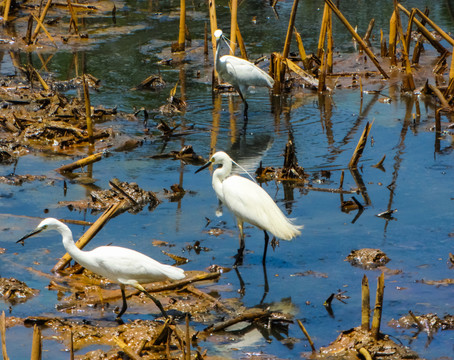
(3, 334)
(368, 33)
(182, 29)
(41, 25)
(291, 25)
(360, 147)
(392, 38)
(426, 33)
(375, 330)
(322, 73)
(329, 44)
(213, 28)
(437, 122)
(383, 48)
(369, 52)
(365, 353)
(7, 6)
(73, 21)
(28, 34)
(88, 109)
(277, 71)
(40, 79)
(41, 18)
(449, 92)
(241, 43)
(187, 339)
(90, 233)
(80, 163)
(126, 349)
(308, 78)
(301, 50)
(205, 40)
(36, 344)
(311, 343)
(365, 304)
(233, 25)
(323, 28)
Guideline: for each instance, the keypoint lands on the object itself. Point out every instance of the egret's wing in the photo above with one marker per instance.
(250, 203)
(240, 72)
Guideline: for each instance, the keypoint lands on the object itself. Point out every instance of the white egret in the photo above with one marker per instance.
(239, 73)
(249, 203)
(120, 265)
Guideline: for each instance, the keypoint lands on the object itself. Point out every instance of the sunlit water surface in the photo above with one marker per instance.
(418, 169)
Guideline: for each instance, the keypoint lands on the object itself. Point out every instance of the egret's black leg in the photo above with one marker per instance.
(267, 287)
(156, 301)
(267, 238)
(242, 289)
(125, 305)
(239, 255)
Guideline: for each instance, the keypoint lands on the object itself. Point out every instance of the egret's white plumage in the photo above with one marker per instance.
(238, 72)
(120, 265)
(249, 202)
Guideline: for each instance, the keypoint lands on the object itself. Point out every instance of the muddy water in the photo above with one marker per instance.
(416, 180)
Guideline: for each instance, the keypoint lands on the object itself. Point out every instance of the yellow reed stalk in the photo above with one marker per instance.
(241, 43)
(213, 28)
(291, 25)
(40, 79)
(3, 334)
(365, 304)
(7, 6)
(36, 344)
(182, 30)
(303, 74)
(375, 330)
(360, 147)
(303, 329)
(329, 43)
(80, 163)
(41, 18)
(322, 36)
(392, 38)
(361, 42)
(301, 50)
(88, 109)
(73, 21)
(233, 25)
(41, 25)
(365, 353)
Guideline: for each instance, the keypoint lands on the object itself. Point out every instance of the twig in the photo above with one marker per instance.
(246, 316)
(311, 343)
(80, 163)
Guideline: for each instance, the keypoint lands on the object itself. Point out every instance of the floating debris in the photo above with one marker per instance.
(367, 258)
(15, 291)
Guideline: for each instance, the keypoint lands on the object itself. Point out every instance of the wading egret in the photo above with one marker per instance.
(249, 203)
(239, 73)
(118, 264)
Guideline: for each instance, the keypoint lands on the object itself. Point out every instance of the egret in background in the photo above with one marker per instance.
(118, 264)
(249, 203)
(239, 73)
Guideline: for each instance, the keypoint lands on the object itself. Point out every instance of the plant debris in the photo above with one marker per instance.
(367, 258)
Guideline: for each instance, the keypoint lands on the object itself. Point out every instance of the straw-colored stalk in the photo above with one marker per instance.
(308, 78)
(323, 28)
(126, 349)
(383, 47)
(7, 6)
(182, 29)
(36, 344)
(301, 50)
(241, 43)
(449, 93)
(89, 234)
(277, 71)
(365, 353)
(329, 43)
(28, 34)
(392, 38)
(427, 34)
(88, 109)
(41, 25)
(213, 28)
(360, 147)
(365, 304)
(291, 25)
(368, 51)
(187, 339)
(3, 334)
(303, 329)
(41, 18)
(80, 163)
(233, 25)
(40, 79)
(73, 22)
(375, 330)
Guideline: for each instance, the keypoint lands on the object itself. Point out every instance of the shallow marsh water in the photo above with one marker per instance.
(420, 170)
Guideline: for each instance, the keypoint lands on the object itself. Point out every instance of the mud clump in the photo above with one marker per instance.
(15, 291)
(367, 258)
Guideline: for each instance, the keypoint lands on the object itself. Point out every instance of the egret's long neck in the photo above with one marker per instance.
(218, 53)
(219, 175)
(68, 243)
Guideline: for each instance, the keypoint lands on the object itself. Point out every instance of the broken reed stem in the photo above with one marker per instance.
(187, 339)
(308, 78)
(365, 304)
(182, 29)
(357, 37)
(380, 163)
(41, 18)
(36, 344)
(360, 147)
(241, 43)
(126, 349)
(277, 71)
(88, 109)
(322, 73)
(41, 25)
(365, 353)
(7, 6)
(375, 330)
(322, 36)
(437, 122)
(233, 25)
(301, 50)
(213, 28)
(329, 44)
(291, 25)
(89, 234)
(341, 182)
(311, 343)
(369, 30)
(40, 79)
(392, 38)
(409, 83)
(205, 40)
(3, 334)
(73, 21)
(80, 163)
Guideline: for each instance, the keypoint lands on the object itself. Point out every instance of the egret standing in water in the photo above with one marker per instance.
(249, 203)
(120, 265)
(239, 73)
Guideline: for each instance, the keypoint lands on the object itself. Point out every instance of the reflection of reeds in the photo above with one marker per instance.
(36, 344)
